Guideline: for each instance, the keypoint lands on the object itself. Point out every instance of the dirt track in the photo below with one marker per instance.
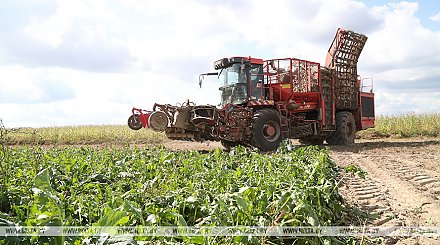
(402, 187)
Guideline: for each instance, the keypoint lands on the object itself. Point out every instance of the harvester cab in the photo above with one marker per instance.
(239, 79)
(265, 101)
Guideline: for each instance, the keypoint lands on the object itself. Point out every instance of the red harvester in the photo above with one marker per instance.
(265, 101)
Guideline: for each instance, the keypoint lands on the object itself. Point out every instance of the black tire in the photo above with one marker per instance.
(134, 122)
(266, 132)
(311, 141)
(345, 129)
(229, 144)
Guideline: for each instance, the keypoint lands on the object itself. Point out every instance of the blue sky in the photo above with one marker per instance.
(89, 62)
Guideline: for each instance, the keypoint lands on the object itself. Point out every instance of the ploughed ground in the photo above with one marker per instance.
(401, 188)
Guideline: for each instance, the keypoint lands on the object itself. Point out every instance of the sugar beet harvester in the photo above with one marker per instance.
(265, 101)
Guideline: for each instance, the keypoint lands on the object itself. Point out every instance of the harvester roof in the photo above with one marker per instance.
(226, 62)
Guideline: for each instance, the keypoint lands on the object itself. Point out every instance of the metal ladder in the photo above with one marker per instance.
(284, 121)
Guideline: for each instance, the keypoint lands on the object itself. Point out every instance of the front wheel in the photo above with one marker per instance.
(134, 122)
(345, 129)
(266, 130)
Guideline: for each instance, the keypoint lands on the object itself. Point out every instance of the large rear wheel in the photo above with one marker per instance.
(266, 130)
(345, 129)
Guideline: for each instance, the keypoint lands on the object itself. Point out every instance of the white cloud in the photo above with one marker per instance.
(402, 55)
(86, 62)
(95, 98)
(435, 17)
(395, 103)
(55, 29)
(21, 85)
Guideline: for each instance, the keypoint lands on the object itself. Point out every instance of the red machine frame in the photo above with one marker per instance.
(143, 115)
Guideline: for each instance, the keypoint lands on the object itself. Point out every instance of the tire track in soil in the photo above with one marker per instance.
(367, 194)
(423, 179)
(399, 190)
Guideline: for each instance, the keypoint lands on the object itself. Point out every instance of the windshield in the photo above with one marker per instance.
(232, 75)
(233, 85)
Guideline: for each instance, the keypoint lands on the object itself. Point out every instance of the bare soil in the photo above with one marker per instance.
(402, 186)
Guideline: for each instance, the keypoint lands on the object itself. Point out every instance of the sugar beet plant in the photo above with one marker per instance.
(85, 186)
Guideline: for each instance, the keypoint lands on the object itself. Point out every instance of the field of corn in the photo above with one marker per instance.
(408, 125)
(82, 135)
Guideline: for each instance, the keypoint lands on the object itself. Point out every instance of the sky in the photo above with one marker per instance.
(85, 62)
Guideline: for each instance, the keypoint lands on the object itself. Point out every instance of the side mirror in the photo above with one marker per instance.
(202, 76)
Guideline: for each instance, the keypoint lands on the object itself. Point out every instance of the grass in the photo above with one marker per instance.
(92, 134)
(406, 125)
